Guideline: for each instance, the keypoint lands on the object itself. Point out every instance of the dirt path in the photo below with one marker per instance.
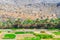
(57, 36)
(21, 36)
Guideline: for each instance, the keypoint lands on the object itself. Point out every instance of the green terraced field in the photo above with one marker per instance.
(31, 34)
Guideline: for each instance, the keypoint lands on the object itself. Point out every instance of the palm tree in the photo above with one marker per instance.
(9, 23)
(17, 23)
(27, 23)
(1, 24)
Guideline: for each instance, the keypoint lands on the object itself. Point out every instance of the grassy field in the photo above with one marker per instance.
(57, 33)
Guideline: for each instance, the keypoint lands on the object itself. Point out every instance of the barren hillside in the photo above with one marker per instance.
(28, 9)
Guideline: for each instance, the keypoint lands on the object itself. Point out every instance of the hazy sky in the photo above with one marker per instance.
(49, 1)
(28, 1)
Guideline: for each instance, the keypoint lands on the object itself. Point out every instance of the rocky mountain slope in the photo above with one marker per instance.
(29, 9)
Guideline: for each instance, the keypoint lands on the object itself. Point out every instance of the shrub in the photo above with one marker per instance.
(56, 33)
(42, 31)
(32, 38)
(0, 31)
(9, 36)
(24, 32)
(56, 38)
(19, 32)
(44, 36)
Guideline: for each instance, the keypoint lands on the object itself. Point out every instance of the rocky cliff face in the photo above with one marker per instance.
(28, 9)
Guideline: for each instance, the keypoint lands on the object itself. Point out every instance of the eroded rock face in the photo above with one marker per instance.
(27, 9)
(14, 15)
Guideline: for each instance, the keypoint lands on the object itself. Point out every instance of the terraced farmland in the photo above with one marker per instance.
(29, 34)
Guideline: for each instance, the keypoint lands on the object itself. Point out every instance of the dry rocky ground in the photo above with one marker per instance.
(13, 15)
